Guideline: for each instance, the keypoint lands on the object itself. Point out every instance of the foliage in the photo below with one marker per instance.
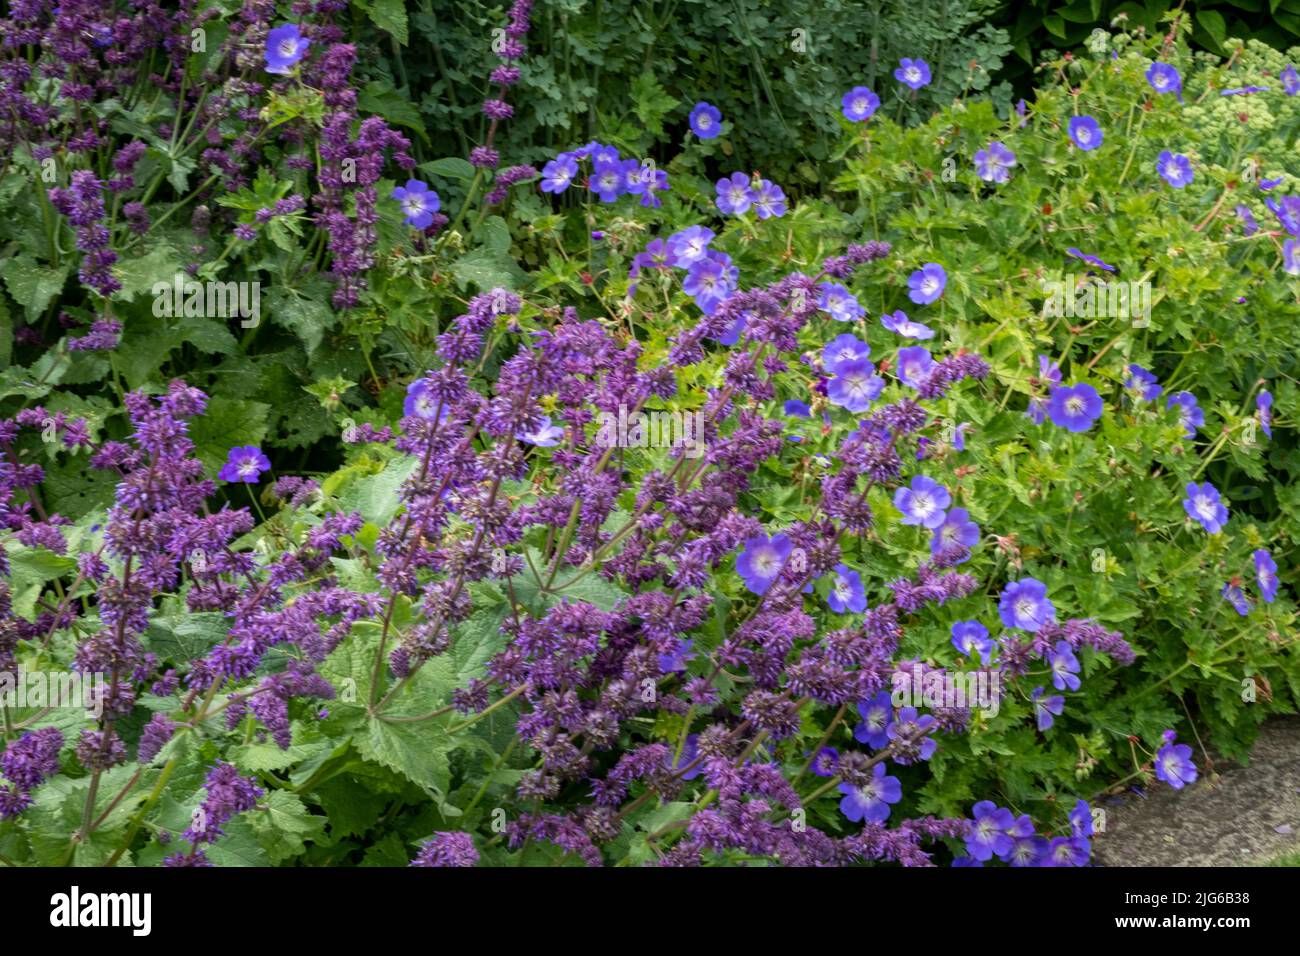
(487, 623)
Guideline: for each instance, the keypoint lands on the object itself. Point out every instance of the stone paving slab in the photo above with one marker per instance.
(1233, 820)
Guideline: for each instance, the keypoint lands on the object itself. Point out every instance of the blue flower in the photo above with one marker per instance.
(839, 302)
(422, 402)
(761, 561)
(1248, 224)
(844, 348)
(927, 283)
(654, 184)
(1142, 385)
(734, 195)
(674, 662)
(1189, 412)
(1067, 851)
(558, 174)
(858, 104)
(244, 463)
(847, 594)
(1204, 505)
(957, 530)
(1064, 666)
(285, 46)
(988, 836)
(1046, 707)
(959, 436)
(913, 73)
(923, 502)
(769, 200)
(1090, 259)
(796, 408)
(855, 386)
(1174, 763)
(1024, 604)
(607, 180)
(418, 203)
(871, 801)
(689, 246)
(689, 755)
(1081, 819)
(877, 717)
(545, 435)
(710, 281)
(825, 762)
(1175, 169)
(1074, 407)
(705, 120)
(993, 165)
(971, 638)
(912, 732)
(914, 365)
(1086, 133)
(1237, 598)
(899, 323)
(1264, 408)
(1165, 78)
(1287, 210)
(1266, 575)
(1290, 80)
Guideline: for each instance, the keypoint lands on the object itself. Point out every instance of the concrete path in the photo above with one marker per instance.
(1247, 816)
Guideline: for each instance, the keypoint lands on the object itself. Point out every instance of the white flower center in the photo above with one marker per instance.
(1205, 507)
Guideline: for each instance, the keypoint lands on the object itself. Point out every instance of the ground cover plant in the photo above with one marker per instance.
(621, 506)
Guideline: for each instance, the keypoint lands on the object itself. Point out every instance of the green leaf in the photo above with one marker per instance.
(6, 334)
(651, 102)
(308, 742)
(390, 15)
(159, 263)
(228, 422)
(283, 826)
(33, 284)
(376, 496)
(495, 235)
(1212, 22)
(488, 270)
(379, 97)
(306, 318)
(452, 167)
(240, 846)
